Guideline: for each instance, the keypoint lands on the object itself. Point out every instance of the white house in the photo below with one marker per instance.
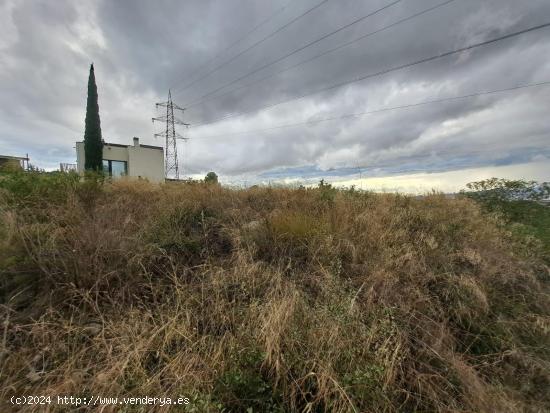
(16, 162)
(138, 161)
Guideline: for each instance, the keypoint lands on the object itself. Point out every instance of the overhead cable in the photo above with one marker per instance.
(382, 72)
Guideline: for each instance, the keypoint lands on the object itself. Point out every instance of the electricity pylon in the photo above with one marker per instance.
(171, 151)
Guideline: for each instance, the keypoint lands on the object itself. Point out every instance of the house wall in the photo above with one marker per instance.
(115, 153)
(142, 162)
(80, 157)
(146, 163)
(10, 164)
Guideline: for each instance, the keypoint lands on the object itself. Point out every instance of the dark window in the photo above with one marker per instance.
(114, 168)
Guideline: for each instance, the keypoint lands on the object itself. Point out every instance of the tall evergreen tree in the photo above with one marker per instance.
(93, 145)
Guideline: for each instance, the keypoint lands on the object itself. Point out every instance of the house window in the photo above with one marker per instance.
(114, 168)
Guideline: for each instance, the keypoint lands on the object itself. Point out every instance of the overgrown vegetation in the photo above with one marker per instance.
(268, 300)
(517, 203)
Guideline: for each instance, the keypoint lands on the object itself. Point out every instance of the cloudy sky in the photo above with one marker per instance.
(142, 48)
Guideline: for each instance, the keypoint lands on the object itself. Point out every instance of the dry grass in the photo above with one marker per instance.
(271, 300)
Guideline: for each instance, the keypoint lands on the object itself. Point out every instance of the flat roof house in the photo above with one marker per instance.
(137, 161)
(15, 162)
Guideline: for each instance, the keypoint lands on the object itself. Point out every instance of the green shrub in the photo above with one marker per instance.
(326, 191)
(243, 387)
(516, 203)
(189, 233)
(37, 188)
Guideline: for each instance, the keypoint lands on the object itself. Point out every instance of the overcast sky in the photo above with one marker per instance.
(141, 48)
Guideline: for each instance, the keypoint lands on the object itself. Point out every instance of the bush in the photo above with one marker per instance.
(516, 203)
(211, 178)
(32, 189)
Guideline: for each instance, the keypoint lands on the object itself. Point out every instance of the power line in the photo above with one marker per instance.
(226, 62)
(383, 72)
(240, 39)
(196, 103)
(299, 49)
(387, 109)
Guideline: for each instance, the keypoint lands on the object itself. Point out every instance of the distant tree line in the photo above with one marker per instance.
(497, 190)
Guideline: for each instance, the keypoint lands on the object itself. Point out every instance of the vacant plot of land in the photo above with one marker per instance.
(268, 300)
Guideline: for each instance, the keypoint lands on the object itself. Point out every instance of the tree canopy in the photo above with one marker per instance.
(211, 178)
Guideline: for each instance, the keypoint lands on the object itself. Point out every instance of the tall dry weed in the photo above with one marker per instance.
(273, 300)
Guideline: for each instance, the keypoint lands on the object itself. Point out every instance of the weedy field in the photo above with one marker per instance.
(268, 300)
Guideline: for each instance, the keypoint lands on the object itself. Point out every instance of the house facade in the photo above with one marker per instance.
(14, 162)
(136, 161)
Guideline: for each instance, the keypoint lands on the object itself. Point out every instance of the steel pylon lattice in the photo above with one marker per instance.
(171, 166)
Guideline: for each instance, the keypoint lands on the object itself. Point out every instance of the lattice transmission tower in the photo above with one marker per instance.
(171, 152)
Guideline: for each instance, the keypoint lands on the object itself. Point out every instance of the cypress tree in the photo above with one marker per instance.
(93, 145)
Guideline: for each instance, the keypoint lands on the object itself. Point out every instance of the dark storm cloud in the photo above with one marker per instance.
(141, 48)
